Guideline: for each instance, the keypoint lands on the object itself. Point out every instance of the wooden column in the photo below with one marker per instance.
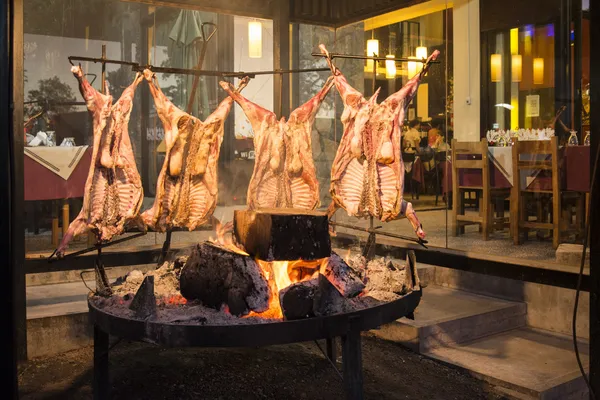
(281, 57)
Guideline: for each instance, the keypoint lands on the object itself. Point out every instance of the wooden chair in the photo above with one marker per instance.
(540, 155)
(474, 156)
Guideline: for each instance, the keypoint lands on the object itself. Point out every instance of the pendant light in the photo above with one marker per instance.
(390, 67)
(496, 67)
(538, 71)
(421, 52)
(372, 49)
(255, 39)
(516, 67)
(411, 68)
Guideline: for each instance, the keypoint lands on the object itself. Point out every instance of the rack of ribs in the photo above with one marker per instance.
(113, 191)
(186, 191)
(367, 175)
(284, 173)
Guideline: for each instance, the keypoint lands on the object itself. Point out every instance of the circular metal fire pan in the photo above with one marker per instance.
(250, 335)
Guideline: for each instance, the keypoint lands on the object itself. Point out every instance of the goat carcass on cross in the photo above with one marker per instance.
(113, 191)
(284, 171)
(367, 175)
(186, 191)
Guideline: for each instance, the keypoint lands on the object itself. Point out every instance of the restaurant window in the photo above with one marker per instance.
(503, 72)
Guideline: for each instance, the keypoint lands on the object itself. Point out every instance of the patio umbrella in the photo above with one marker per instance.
(191, 36)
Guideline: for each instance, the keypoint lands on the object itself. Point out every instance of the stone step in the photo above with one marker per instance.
(50, 278)
(527, 363)
(57, 318)
(448, 316)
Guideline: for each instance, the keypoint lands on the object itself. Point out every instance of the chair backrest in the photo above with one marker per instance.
(536, 155)
(470, 155)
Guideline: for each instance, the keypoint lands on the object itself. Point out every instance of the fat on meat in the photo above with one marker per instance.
(186, 190)
(367, 175)
(284, 173)
(113, 191)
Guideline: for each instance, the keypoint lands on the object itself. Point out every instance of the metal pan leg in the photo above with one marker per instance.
(352, 364)
(101, 382)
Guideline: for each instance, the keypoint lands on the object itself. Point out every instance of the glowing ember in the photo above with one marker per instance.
(176, 299)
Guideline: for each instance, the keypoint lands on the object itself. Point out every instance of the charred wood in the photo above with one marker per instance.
(283, 234)
(342, 277)
(144, 302)
(217, 276)
(297, 299)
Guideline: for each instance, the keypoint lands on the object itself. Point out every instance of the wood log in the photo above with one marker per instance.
(282, 234)
(217, 276)
(328, 300)
(342, 277)
(297, 299)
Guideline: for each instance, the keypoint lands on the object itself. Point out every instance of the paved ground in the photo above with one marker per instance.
(299, 371)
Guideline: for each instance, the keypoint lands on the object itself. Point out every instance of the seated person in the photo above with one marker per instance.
(435, 136)
(412, 137)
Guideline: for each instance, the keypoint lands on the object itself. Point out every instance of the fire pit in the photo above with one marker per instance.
(276, 282)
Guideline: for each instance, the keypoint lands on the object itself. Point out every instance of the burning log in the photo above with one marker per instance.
(217, 276)
(297, 299)
(282, 234)
(342, 277)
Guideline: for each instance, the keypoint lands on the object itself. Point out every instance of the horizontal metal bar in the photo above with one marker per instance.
(357, 57)
(378, 232)
(102, 60)
(97, 247)
(224, 74)
(492, 266)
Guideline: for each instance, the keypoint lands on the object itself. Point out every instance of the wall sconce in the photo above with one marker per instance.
(254, 39)
(390, 67)
(496, 67)
(517, 67)
(538, 71)
(372, 48)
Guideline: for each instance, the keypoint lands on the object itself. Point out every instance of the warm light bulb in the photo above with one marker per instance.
(254, 39)
(517, 64)
(390, 67)
(412, 68)
(421, 52)
(372, 50)
(496, 67)
(538, 71)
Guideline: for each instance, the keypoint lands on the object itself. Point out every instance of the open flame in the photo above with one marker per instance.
(279, 274)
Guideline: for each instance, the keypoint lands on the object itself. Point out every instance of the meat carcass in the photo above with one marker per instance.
(284, 173)
(113, 191)
(367, 175)
(186, 191)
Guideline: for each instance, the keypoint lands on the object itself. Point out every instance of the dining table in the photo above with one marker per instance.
(55, 173)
